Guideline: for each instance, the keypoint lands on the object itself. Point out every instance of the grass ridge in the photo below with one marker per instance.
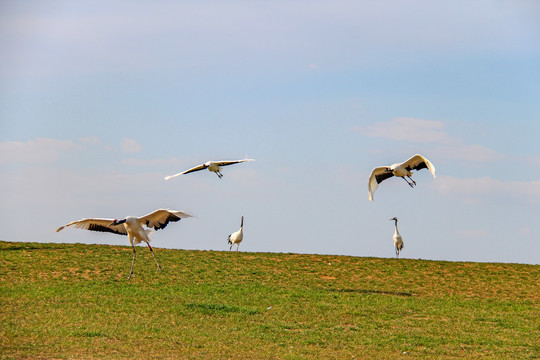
(61, 301)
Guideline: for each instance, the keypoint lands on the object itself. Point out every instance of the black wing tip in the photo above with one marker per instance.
(170, 218)
(381, 177)
(193, 170)
(95, 227)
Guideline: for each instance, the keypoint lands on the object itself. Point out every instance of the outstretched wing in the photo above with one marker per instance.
(103, 225)
(161, 217)
(230, 162)
(378, 175)
(418, 162)
(193, 169)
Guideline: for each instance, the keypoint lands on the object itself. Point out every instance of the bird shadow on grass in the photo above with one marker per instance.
(372, 292)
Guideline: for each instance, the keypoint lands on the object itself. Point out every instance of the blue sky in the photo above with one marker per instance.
(99, 101)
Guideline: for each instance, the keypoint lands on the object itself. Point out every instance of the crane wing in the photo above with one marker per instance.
(378, 175)
(418, 162)
(103, 225)
(230, 162)
(161, 217)
(196, 168)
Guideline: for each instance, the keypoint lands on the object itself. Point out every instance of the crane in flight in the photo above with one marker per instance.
(402, 170)
(214, 166)
(132, 227)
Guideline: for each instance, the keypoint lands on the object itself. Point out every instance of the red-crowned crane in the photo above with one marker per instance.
(404, 169)
(237, 236)
(132, 227)
(214, 166)
(398, 240)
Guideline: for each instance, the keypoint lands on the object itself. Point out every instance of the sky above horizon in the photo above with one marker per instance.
(99, 101)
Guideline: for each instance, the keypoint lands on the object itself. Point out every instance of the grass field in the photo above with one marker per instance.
(72, 301)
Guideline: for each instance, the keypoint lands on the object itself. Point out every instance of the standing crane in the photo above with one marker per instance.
(402, 170)
(132, 227)
(214, 166)
(237, 236)
(398, 240)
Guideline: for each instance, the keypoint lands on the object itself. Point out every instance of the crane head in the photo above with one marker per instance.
(117, 222)
(393, 219)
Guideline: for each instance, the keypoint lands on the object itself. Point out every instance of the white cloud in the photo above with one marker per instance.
(532, 160)
(486, 186)
(408, 129)
(93, 140)
(475, 152)
(433, 133)
(350, 28)
(131, 146)
(38, 151)
(174, 163)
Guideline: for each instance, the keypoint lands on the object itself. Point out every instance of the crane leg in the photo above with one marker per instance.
(219, 174)
(410, 178)
(132, 262)
(408, 183)
(155, 259)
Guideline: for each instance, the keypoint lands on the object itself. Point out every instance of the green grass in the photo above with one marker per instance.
(64, 301)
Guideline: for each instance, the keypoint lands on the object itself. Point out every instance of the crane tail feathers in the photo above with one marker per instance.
(149, 233)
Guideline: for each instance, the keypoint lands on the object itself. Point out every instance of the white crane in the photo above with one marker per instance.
(398, 240)
(237, 236)
(132, 227)
(404, 169)
(214, 166)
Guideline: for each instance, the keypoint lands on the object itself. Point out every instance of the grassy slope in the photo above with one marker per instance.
(73, 301)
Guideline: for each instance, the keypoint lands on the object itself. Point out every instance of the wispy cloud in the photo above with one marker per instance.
(93, 140)
(38, 151)
(350, 28)
(460, 151)
(131, 146)
(407, 129)
(486, 186)
(47, 150)
(174, 163)
(432, 133)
